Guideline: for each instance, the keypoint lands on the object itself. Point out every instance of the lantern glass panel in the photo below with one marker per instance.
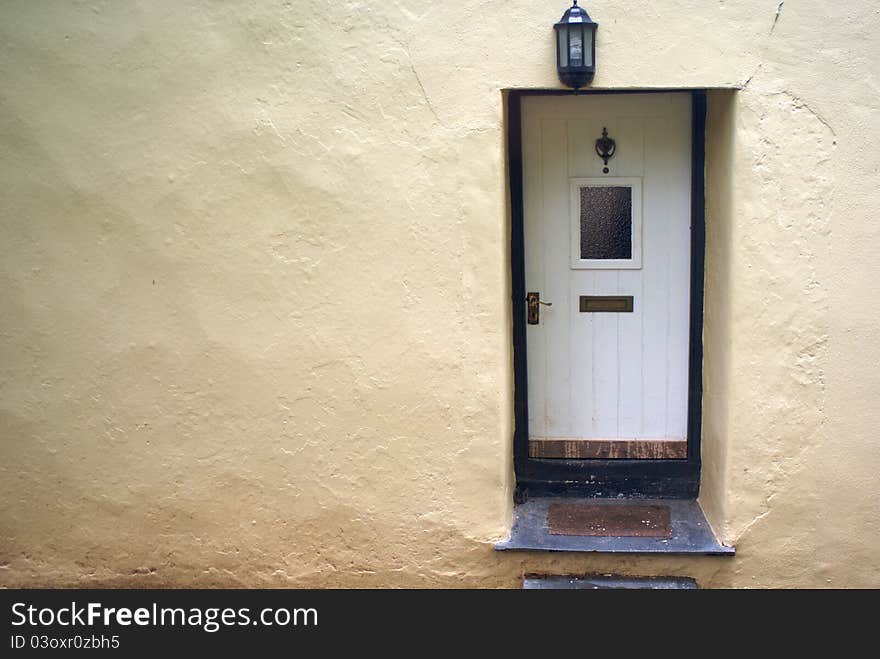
(562, 36)
(588, 46)
(576, 45)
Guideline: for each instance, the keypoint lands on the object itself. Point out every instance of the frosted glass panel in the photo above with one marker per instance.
(606, 222)
(563, 47)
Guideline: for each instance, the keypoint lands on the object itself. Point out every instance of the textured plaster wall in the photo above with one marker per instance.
(254, 327)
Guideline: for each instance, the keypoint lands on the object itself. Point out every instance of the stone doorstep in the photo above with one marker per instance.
(690, 534)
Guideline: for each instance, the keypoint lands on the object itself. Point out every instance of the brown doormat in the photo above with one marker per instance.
(609, 520)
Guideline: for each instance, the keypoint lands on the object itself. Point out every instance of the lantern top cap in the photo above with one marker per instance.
(575, 15)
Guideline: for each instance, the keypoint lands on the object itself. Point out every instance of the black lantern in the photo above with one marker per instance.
(576, 47)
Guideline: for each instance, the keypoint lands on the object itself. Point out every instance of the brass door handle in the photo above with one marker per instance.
(534, 301)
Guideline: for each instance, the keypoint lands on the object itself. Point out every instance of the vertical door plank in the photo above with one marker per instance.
(630, 325)
(582, 159)
(606, 349)
(655, 270)
(555, 319)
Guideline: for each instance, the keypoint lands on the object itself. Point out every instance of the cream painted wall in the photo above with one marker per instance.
(254, 327)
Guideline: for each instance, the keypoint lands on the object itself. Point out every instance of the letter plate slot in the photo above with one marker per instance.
(606, 303)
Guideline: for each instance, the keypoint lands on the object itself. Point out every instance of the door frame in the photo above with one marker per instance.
(678, 479)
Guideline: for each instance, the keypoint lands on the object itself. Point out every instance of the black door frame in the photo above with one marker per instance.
(650, 478)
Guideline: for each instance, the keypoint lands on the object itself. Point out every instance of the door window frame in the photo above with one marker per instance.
(649, 478)
(634, 183)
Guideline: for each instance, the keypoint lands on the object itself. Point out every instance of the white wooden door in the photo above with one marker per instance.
(619, 377)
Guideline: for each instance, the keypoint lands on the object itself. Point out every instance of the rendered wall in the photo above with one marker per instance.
(254, 327)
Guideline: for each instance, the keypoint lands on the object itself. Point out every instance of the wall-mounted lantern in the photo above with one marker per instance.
(576, 47)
